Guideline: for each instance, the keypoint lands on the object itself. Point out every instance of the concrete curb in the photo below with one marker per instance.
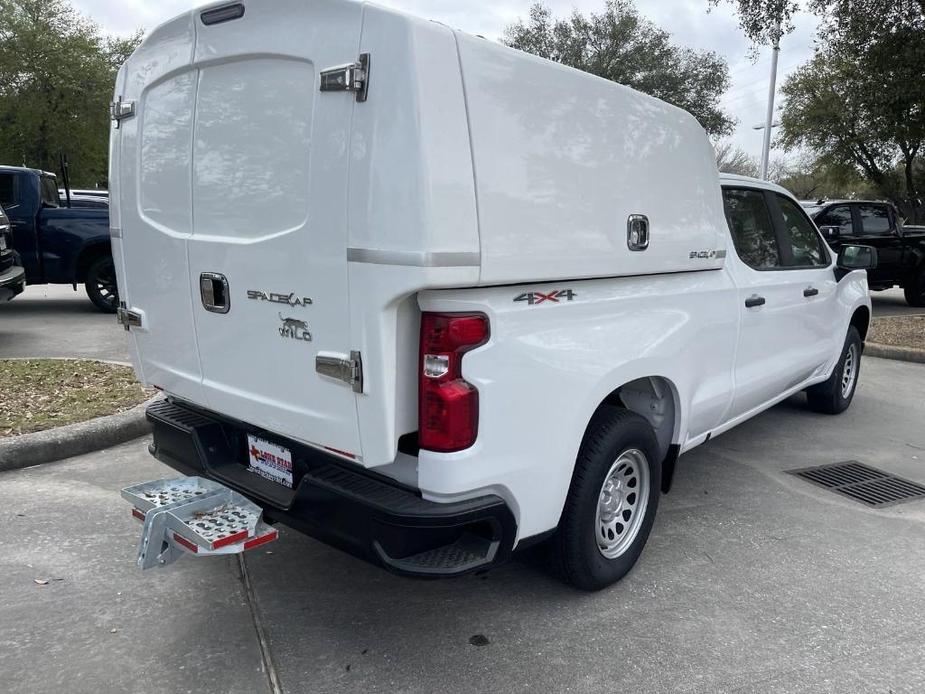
(873, 349)
(74, 439)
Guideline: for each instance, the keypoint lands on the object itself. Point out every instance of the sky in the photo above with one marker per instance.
(690, 22)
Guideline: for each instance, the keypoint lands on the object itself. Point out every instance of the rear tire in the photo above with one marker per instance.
(611, 502)
(834, 395)
(100, 283)
(915, 291)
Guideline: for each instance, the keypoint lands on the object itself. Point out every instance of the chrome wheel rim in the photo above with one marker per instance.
(849, 371)
(622, 503)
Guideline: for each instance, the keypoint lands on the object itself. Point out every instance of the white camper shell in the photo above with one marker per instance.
(467, 164)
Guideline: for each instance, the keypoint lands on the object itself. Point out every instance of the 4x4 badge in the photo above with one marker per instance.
(534, 298)
(290, 299)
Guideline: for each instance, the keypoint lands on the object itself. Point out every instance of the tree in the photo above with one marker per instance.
(811, 178)
(759, 19)
(620, 45)
(860, 101)
(56, 79)
(734, 160)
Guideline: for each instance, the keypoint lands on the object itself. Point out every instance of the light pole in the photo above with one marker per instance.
(768, 123)
(765, 165)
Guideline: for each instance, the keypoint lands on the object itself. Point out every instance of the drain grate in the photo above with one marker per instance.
(862, 483)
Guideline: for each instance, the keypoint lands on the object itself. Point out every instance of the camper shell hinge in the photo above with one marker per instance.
(350, 371)
(120, 110)
(352, 77)
(127, 317)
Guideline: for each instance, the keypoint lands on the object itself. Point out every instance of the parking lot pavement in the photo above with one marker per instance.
(99, 624)
(752, 581)
(56, 321)
(892, 303)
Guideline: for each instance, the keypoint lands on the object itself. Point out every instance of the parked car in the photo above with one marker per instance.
(901, 248)
(57, 244)
(462, 316)
(12, 276)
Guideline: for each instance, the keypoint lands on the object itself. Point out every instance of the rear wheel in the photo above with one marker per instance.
(611, 503)
(915, 291)
(834, 395)
(101, 284)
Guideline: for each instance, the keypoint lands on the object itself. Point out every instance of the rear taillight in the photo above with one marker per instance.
(448, 407)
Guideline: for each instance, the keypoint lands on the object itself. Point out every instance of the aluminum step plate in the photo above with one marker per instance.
(194, 515)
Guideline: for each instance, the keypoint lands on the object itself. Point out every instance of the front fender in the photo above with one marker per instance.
(851, 294)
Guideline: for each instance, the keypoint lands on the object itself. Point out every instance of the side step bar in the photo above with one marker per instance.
(192, 515)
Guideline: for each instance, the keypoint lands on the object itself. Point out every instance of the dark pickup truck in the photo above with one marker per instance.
(58, 244)
(900, 248)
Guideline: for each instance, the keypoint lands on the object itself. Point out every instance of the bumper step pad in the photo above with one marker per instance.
(193, 515)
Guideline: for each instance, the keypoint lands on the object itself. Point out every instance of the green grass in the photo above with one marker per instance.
(38, 394)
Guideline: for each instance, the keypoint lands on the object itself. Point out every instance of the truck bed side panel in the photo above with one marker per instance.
(547, 367)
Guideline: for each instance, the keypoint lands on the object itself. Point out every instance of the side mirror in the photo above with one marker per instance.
(830, 233)
(857, 258)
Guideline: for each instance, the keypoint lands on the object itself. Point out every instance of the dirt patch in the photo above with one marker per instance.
(38, 394)
(898, 331)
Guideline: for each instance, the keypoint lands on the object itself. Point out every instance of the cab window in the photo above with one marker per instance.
(874, 219)
(839, 216)
(752, 229)
(805, 244)
(50, 196)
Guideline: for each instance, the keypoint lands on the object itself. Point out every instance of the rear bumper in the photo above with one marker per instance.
(12, 282)
(354, 509)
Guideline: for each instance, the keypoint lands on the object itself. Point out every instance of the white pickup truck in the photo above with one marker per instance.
(431, 300)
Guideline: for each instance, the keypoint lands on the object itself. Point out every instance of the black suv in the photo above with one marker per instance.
(900, 248)
(12, 277)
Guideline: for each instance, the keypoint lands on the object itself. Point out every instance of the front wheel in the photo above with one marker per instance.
(100, 283)
(834, 395)
(611, 502)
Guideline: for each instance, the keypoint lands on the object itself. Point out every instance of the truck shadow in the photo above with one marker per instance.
(30, 306)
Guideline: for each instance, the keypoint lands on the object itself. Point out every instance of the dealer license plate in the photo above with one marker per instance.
(269, 460)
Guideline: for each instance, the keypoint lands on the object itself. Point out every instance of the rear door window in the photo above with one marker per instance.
(752, 230)
(805, 244)
(875, 219)
(839, 216)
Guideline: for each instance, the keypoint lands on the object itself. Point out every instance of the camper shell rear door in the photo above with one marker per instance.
(233, 225)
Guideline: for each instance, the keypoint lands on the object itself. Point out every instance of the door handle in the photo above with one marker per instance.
(754, 300)
(810, 291)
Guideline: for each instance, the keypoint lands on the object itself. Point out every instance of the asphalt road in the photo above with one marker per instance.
(56, 321)
(752, 581)
(892, 303)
